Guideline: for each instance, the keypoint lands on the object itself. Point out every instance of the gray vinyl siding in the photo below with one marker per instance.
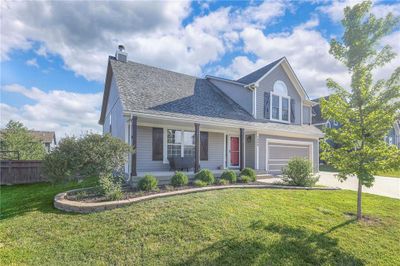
(250, 150)
(241, 95)
(215, 151)
(262, 149)
(267, 85)
(115, 112)
(306, 114)
(144, 151)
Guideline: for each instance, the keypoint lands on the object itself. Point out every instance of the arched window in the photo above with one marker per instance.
(280, 88)
(280, 103)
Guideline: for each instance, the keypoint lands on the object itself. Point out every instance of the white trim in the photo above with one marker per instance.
(266, 74)
(229, 151)
(226, 80)
(225, 147)
(262, 127)
(280, 108)
(254, 102)
(292, 143)
(257, 140)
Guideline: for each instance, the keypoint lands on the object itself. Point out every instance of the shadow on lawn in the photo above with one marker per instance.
(18, 200)
(282, 245)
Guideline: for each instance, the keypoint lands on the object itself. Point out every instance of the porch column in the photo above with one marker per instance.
(241, 153)
(196, 147)
(133, 143)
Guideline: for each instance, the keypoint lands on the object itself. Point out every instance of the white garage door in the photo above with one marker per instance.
(279, 153)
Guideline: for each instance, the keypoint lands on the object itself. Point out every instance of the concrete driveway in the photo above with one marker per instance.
(384, 186)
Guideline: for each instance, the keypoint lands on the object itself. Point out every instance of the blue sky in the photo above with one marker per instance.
(54, 54)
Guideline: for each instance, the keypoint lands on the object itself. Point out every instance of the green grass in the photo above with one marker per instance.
(230, 227)
(393, 173)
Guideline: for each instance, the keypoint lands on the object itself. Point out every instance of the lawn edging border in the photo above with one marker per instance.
(62, 203)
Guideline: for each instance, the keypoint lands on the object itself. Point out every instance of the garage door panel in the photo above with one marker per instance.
(279, 155)
(280, 152)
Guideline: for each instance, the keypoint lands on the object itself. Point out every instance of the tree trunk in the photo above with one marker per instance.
(359, 200)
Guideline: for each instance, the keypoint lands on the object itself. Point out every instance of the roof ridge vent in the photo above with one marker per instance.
(120, 54)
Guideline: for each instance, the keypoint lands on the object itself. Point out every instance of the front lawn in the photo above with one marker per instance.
(236, 227)
(393, 173)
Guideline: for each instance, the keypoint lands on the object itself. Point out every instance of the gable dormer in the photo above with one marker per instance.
(278, 94)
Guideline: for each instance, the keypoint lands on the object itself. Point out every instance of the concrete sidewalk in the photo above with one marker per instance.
(384, 186)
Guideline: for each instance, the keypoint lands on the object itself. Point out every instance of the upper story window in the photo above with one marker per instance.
(280, 103)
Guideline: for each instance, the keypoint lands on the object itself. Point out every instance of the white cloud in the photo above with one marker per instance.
(32, 62)
(84, 33)
(57, 110)
(335, 8)
(304, 47)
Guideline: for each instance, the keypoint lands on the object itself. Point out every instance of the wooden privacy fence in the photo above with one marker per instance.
(20, 172)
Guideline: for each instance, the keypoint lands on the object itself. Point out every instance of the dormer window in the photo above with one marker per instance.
(280, 102)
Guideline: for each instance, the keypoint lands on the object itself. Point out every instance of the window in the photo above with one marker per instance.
(275, 107)
(390, 140)
(285, 109)
(280, 107)
(180, 143)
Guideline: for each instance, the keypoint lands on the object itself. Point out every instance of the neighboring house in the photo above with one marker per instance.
(47, 138)
(393, 137)
(260, 120)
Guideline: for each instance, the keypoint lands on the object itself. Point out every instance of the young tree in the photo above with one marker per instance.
(16, 137)
(367, 110)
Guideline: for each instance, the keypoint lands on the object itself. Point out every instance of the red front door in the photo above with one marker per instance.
(234, 151)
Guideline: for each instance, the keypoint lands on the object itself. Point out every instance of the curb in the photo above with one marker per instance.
(61, 203)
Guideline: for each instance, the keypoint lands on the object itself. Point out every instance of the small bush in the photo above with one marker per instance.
(179, 179)
(147, 183)
(299, 173)
(206, 176)
(223, 182)
(229, 175)
(245, 178)
(250, 173)
(199, 183)
(110, 187)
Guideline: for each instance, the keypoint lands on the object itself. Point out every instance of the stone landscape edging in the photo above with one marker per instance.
(62, 203)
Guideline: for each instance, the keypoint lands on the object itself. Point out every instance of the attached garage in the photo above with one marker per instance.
(279, 152)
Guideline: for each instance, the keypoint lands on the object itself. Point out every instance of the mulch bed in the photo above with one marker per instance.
(92, 194)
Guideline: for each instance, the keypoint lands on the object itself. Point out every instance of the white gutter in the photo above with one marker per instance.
(261, 128)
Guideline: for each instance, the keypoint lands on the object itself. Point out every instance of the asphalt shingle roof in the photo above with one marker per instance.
(149, 88)
(256, 75)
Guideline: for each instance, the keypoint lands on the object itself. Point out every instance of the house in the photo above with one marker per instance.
(260, 120)
(47, 138)
(392, 138)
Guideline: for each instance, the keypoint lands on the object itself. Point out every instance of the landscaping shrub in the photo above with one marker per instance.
(90, 155)
(147, 183)
(199, 183)
(250, 173)
(299, 173)
(179, 179)
(206, 176)
(229, 175)
(110, 187)
(223, 182)
(245, 178)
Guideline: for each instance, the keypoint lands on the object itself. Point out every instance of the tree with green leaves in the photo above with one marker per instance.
(366, 110)
(16, 137)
